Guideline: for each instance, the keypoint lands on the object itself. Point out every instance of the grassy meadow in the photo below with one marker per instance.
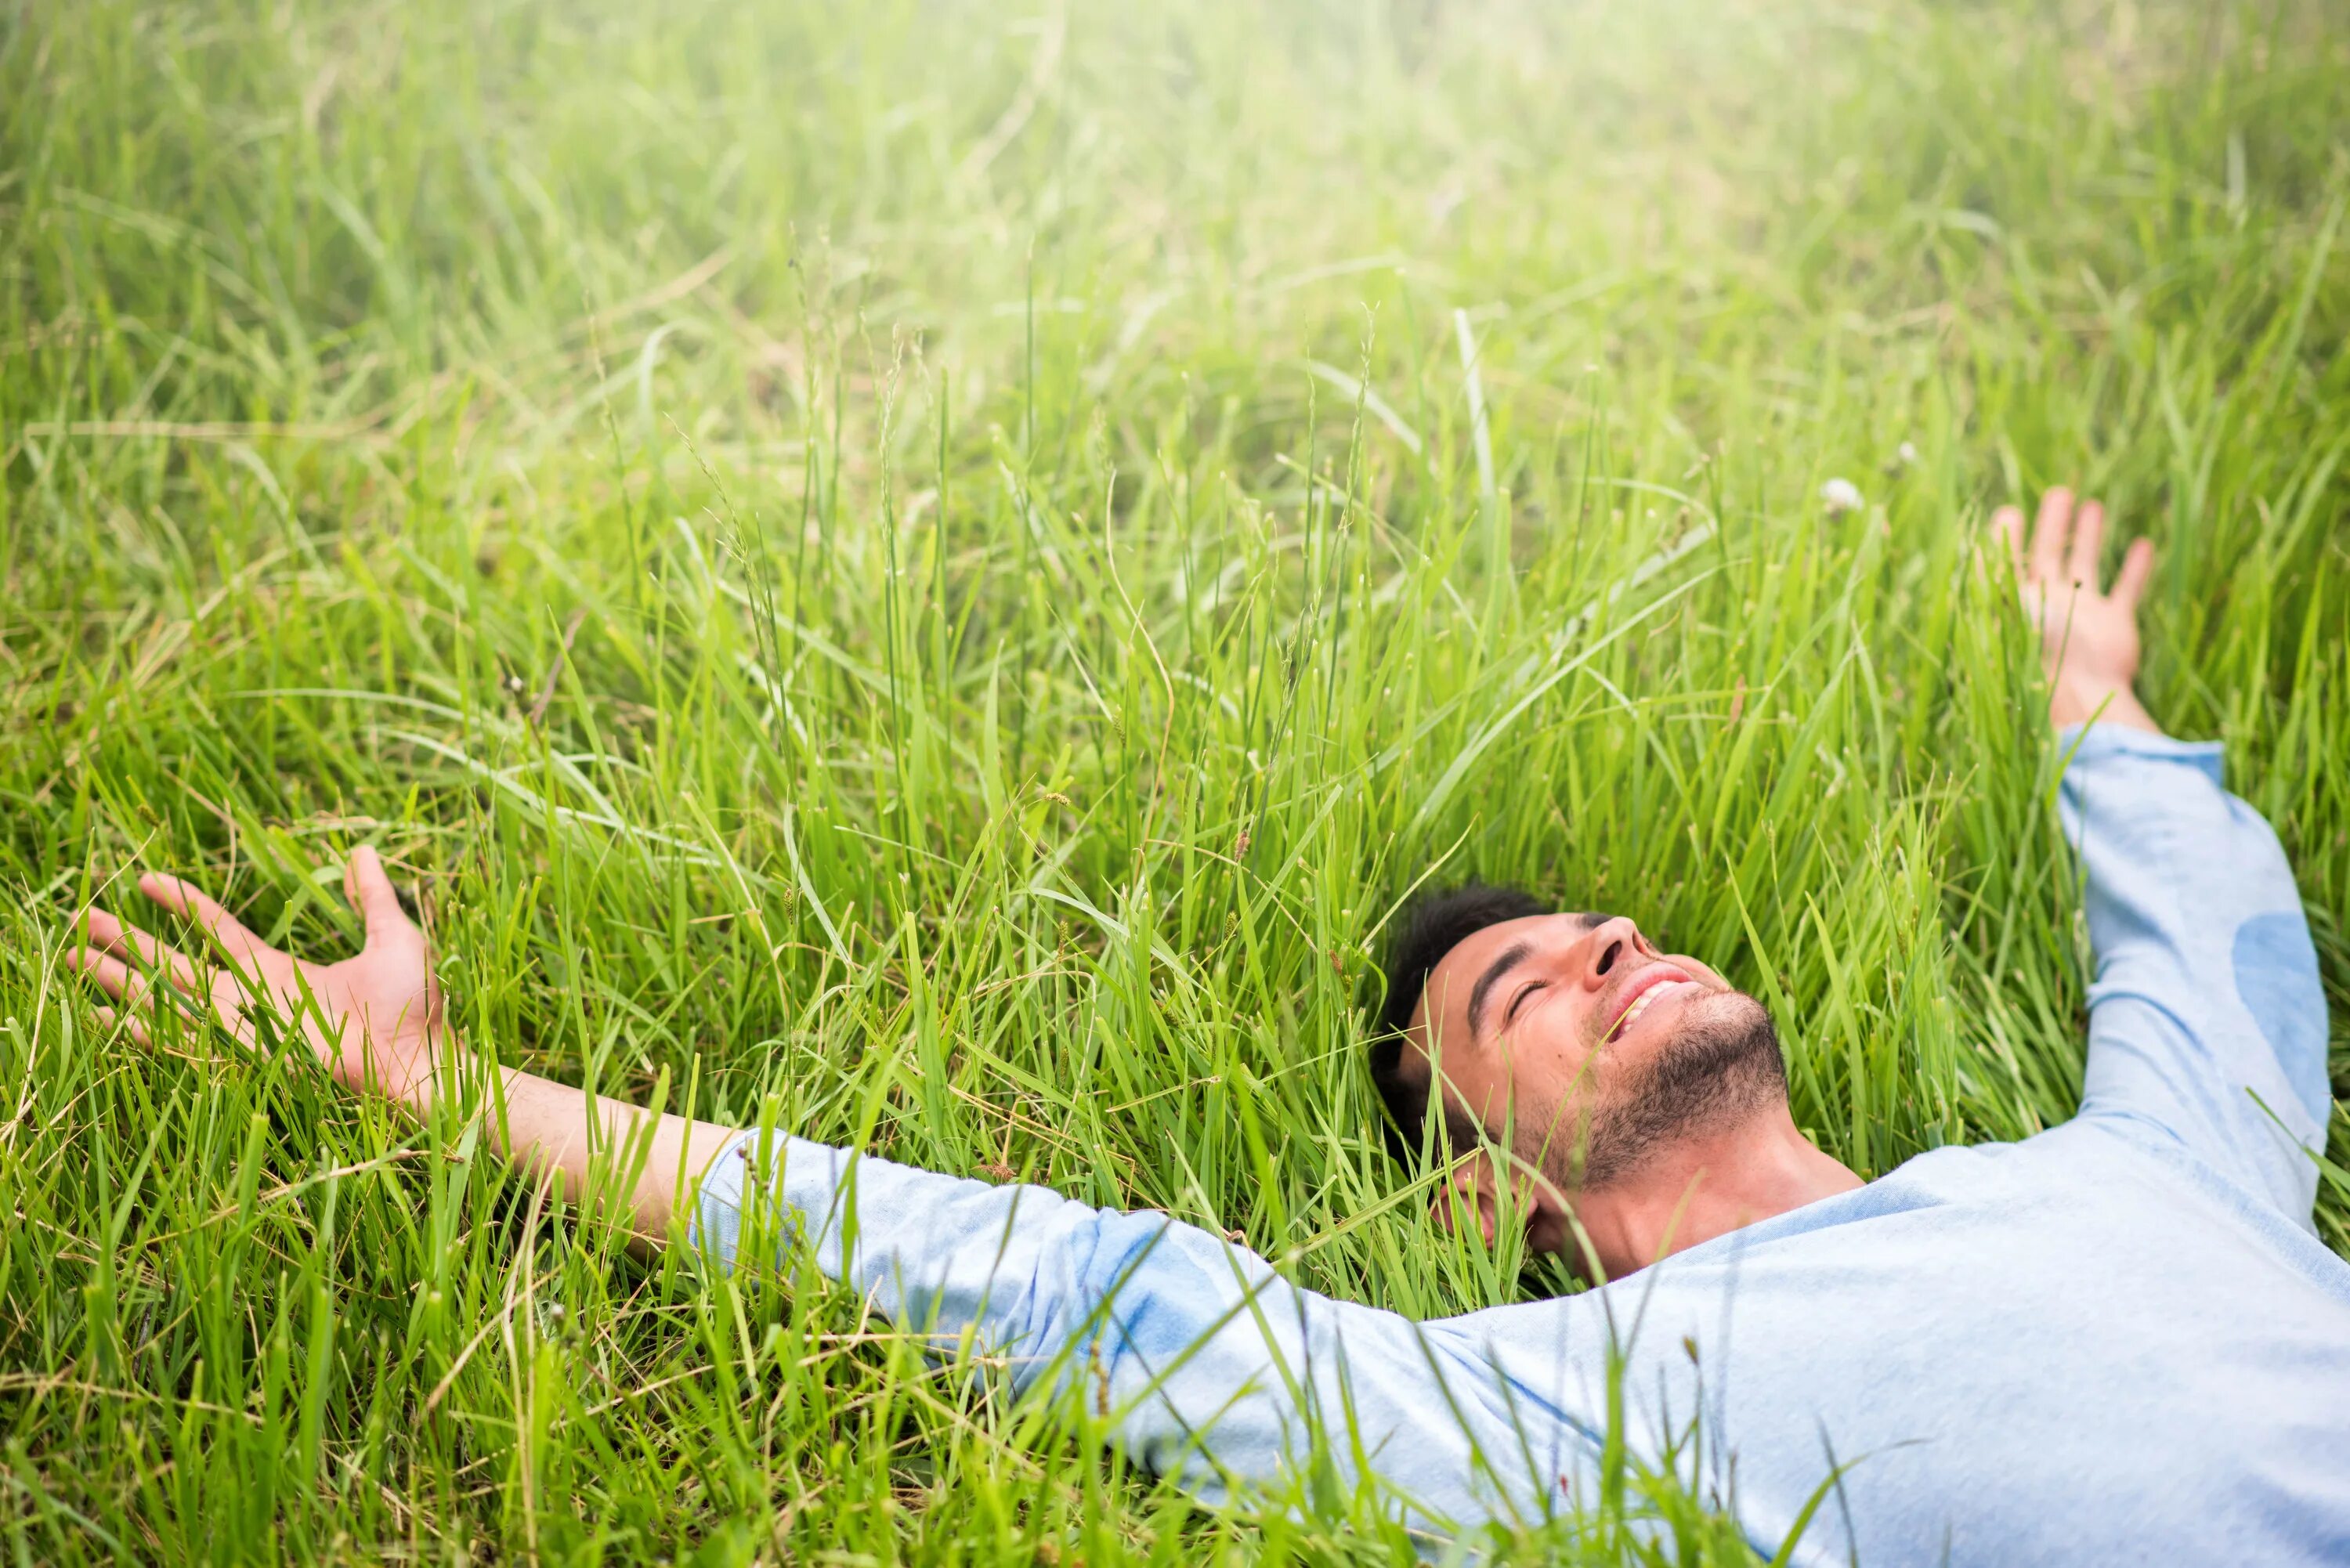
(940, 569)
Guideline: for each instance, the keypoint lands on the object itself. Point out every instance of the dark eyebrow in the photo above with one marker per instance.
(1509, 959)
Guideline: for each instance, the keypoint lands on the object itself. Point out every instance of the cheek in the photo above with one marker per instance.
(1552, 1059)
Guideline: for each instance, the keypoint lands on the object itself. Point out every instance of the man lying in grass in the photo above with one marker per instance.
(2118, 1341)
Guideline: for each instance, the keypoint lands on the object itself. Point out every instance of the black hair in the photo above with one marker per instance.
(1433, 926)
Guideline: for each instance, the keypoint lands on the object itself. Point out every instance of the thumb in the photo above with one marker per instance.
(370, 893)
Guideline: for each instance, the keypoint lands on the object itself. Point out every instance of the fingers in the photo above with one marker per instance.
(132, 1024)
(2088, 540)
(370, 893)
(124, 963)
(2007, 530)
(2137, 566)
(126, 985)
(133, 988)
(2048, 535)
(113, 976)
(186, 898)
(128, 942)
(2068, 542)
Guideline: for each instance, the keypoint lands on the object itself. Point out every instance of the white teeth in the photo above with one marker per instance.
(1639, 1005)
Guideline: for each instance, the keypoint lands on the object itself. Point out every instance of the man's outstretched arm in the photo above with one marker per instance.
(1210, 1364)
(2207, 1022)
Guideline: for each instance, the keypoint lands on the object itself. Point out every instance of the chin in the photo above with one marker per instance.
(1725, 1038)
(1720, 1012)
(1719, 1066)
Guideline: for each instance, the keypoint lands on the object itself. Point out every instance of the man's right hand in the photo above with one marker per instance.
(374, 1019)
(2089, 640)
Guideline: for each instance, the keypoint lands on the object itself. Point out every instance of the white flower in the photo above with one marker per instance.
(1840, 496)
(1908, 452)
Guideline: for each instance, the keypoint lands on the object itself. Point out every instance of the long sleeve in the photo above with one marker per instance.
(2207, 992)
(1211, 1367)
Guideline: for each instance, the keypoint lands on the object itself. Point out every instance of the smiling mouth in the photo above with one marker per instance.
(1649, 993)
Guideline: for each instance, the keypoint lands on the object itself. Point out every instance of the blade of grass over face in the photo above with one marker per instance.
(934, 575)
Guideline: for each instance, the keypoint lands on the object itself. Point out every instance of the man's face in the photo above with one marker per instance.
(1594, 1048)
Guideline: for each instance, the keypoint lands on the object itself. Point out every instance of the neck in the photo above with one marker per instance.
(1705, 1187)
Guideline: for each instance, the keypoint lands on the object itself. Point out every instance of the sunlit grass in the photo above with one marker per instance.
(943, 573)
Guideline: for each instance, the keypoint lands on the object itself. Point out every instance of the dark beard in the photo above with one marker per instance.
(1713, 1072)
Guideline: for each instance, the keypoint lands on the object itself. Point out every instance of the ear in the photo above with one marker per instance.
(1469, 1193)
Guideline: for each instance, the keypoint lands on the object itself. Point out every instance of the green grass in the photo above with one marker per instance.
(1058, 523)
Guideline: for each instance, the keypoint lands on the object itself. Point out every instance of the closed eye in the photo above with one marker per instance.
(1510, 1013)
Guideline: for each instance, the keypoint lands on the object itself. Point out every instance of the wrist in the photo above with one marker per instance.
(2080, 700)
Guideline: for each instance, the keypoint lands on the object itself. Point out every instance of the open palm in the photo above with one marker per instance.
(2088, 638)
(374, 1020)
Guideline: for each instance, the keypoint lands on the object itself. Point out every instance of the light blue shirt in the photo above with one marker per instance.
(2119, 1341)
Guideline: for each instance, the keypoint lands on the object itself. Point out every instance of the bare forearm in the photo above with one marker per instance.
(645, 1163)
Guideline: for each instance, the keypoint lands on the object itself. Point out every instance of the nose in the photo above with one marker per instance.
(1608, 948)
